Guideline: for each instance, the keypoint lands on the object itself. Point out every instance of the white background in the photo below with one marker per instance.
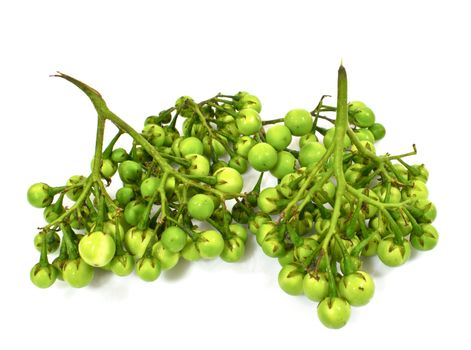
(408, 60)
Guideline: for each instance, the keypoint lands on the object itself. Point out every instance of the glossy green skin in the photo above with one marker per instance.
(243, 146)
(122, 265)
(77, 273)
(239, 163)
(43, 277)
(285, 164)
(218, 165)
(108, 168)
(191, 145)
(333, 312)
(199, 165)
(329, 138)
(355, 106)
(262, 157)
(130, 171)
(357, 288)
(316, 286)
(287, 258)
(97, 248)
(250, 101)
(58, 263)
(429, 211)
(365, 135)
(228, 180)
(392, 254)
(279, 136)
(378, 131)
(53, 241)
(174, 239)
(155, 134)
(273, 247)
(308, 138)
(134, 212)
(311, 153)
(38, 195)
(124, 195)
(363, 117)
(248, 122)
(299, 121)
(190, 252)
(290, 279)
(427, 241)
(210, 144)
(148, 269)
(234, 250)
(257, 222)
(210, 244)
(136, 240)
(167, 258)
(265, 230)
(267, 199)
(418, 190)
(119, 155)
(372, 247)
(109, 228)
(200, 206)
(238, 231)
(149, 186)
(176, 146)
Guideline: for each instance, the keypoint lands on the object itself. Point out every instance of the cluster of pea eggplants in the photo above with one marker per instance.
(336, 201)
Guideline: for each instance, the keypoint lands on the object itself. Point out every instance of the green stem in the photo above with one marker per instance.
(273, 121)
(341, 125)
(179, 160)
(163, 197)
(217, 227)
(69, 240)
(398, 236)
(103, 111)
(331, 276)
(369, 200)
(301, 192)
(361, 149)
(118, 241)
(43, 262)
(77, 205)
(315, 189)
(109, 149)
